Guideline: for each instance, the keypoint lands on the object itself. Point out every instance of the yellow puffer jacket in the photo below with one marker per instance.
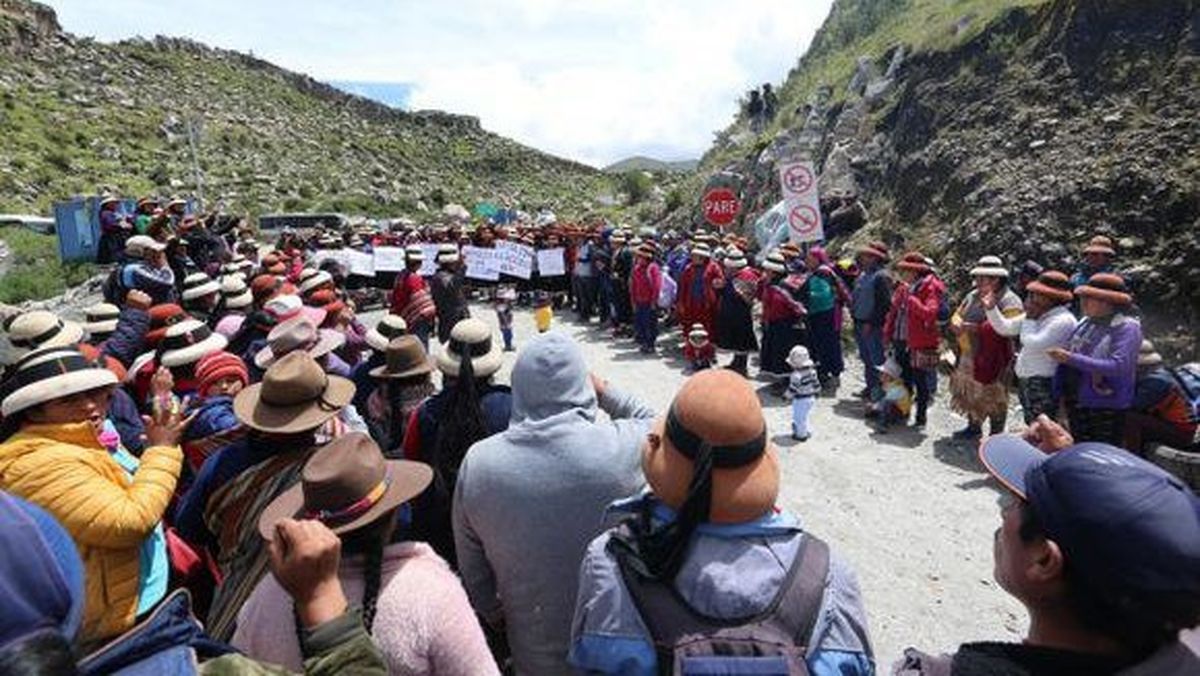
(65, 470)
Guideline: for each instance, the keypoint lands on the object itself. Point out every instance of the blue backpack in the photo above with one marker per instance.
(1188, 379)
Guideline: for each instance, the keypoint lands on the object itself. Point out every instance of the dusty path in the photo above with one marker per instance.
(913, 513)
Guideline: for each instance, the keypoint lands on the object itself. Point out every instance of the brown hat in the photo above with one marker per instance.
(406, 358)
(718, 408)
(297, 334)
(1107, 287)
(1052, 284)
(790, 250)
(347, 484)
(1100, 245)
(1148, 355)
(877, 249)
(913, 261)
(295, 395)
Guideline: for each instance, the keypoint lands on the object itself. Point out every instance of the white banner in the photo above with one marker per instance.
(515, 259)
(481, 263)
(429, 264)
(360, 263)
(798, 183)
(550, 263)
(389, 258)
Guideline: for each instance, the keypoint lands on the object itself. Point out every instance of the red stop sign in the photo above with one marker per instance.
(721, 206)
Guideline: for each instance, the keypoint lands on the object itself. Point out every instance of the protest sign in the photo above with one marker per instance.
(798, 183)
(429, 264)
(389, 258)
(360, 263)
(516, 260)
(482, 263)
(550, 263)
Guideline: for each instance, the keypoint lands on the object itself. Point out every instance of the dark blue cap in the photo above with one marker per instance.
(1121, 521)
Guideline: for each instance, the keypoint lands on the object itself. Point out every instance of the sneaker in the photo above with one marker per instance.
(801, 439)
(919, 421)
(509, 348)
(864, 393)
(968, 433)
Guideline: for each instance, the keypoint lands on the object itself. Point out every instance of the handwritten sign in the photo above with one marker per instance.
(360, 263)
(389, 258)
(798, 183)
(482, 264)
(550, 263)
(516, 260)
(429, 253)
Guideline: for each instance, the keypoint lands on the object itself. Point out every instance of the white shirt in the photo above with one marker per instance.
(1052, 329)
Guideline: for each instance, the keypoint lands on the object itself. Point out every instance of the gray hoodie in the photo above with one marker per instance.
(530, 499)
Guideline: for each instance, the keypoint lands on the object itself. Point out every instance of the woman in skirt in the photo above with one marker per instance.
(735, 326)
(781, 315)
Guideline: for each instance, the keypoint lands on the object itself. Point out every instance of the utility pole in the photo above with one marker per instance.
(194, 126)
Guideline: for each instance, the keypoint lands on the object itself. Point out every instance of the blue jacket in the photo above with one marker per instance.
(872, 296)
(732, 570)
(125, 343)
(364, 384)
(125, 416)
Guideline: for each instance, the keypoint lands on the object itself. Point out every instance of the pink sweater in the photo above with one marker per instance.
(423, 621)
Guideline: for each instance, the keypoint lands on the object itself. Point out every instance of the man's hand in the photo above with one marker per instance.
(1047, 435)
(1058, 354)
(138, 300)
(304, 560)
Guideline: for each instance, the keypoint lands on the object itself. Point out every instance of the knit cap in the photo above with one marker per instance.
(216, 366)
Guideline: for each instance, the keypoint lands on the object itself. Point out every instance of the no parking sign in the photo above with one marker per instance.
(798, 182)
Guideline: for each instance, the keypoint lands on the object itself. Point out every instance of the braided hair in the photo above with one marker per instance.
(368, 541)
(459, 426)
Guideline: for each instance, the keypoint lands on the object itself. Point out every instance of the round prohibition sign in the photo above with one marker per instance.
(803, 219)
(798, 179)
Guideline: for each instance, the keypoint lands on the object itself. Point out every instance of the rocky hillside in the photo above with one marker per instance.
(1016, 128)
(78, 116)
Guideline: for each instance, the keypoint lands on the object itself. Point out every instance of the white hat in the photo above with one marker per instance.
(471, 337)
(989, 266)
(310, 282)
(388, 329)
(698, 331)
(734, 258)
(188, 342)
(775, 262)
(701, 249)
(198, 285)
(52, 373)
(38, 329)
(237, 295)
(139, 244)
(799, 358)
(101, 319)
(414, 254)
(890, 367)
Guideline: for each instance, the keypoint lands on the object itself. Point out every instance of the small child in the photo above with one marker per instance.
(220, 377)
(505, 296)
(897, 400)
(543, 312)
(699, 351)
(803, 388)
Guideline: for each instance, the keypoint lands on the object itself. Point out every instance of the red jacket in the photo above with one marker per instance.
(922, 305)
(645, 283)
(778, 304)
(690, 304)
(411, 299)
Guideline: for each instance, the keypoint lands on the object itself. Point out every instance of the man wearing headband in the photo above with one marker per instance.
(706, 548)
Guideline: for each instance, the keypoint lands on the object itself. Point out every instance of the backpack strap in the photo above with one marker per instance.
(798, 607)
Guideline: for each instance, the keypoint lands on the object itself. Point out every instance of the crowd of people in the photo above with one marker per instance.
(223, 469)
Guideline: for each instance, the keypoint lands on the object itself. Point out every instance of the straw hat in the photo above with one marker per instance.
(775, 262)
(406, 358)
(734, 258)
(414, 254)
(720, 408)
(198, 285)
(697, 332)
(890, 367)
(52, 373)
(471, 337)
(297, 335)
(388, 329)
(448, 254)
(990, 266)
(36, 329)
(877, 249)
(645, 250)
(702, 249)
(101, 319)
(235, 292)
(295, 395)
(799, 358)
(347, 484)
(1107, 287)
(108, 199)
(1100, 245)
(1054, 285)
(1147, 355)
(914, 261)
(187, 342)
(311, 281)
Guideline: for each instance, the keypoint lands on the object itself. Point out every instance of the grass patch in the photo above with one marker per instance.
(34, 271)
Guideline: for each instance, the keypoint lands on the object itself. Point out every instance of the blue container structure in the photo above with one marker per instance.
(77, 222)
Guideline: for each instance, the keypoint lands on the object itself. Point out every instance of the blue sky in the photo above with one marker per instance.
(592, 80)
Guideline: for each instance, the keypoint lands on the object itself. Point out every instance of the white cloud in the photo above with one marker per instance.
(593, 81)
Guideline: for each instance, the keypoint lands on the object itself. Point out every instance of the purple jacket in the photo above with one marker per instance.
(1104, 361)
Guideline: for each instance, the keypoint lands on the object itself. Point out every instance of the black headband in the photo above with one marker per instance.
(68, 363)
(34, 341)
(462, 349)
(689, 444)
(199, 334)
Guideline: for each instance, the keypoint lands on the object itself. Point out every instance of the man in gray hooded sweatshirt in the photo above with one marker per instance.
(530, 499)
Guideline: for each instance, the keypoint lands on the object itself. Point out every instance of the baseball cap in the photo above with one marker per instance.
(1121, 521)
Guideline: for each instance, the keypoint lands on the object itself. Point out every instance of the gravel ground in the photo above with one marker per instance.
(913, 512)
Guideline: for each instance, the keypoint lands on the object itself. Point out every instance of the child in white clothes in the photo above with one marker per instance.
(803, 387)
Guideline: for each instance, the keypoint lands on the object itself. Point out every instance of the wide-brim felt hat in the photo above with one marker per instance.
(1148, 355)
(475, 337)
(1107, 287)
(990, 266)
(877, 249)
(297, 334)
(295, 395)
(775, 263)
(913, 261)
(1100, 245)
(406, 358)
(1054, 285)
(388, 329)
(52, 373)
(38, 329)
(347, 484)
